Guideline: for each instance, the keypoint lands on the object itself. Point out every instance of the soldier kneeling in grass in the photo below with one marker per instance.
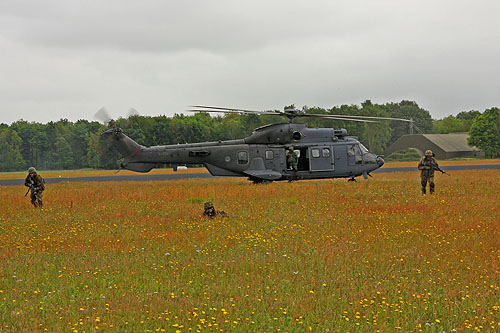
(211, 212)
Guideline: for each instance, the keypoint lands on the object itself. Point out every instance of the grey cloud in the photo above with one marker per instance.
(69, 58)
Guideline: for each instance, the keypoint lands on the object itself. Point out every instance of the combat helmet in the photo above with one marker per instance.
(290, 148)
(31, 170)
(428, 152)
(208, 204)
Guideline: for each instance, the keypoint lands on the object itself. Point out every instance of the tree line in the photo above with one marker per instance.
(76, 145)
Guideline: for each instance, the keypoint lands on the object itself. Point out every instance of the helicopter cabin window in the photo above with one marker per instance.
(242, 157)
(315, 152)
(326, 152)
(269, 154)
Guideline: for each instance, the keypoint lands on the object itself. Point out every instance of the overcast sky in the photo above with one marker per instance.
(67, 59)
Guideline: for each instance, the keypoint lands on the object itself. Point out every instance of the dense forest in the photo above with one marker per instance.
(67, 145)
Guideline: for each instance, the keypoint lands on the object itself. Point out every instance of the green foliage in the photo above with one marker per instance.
(450, 124)
(67, 145)
(461, 123)
(196, 200)
(408, 110)
(101, 154)
(375, 135)
(62, 154)
(485, 132)
(10, 146)
(468, 115)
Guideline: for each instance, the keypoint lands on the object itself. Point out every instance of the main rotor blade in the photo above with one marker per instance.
(327, 116)
(222, 108)
(239, 111)
(293, 115)
(370, 117)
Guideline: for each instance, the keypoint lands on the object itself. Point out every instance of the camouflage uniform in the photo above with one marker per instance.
(291, 159)
(209, 210)
(37, 185)
(427, 166)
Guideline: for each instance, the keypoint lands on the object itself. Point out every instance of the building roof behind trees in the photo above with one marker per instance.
(445, 146)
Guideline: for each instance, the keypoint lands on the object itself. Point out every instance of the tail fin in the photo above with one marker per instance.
(129, 149)
(125, 145)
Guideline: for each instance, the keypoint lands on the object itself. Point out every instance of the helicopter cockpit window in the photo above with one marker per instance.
(350, 150)
(269, 154)
(242, 157)
(355, 150)
(326, 152)
(364, 150)
(315, 152)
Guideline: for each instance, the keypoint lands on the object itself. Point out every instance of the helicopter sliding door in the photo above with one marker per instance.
(321, 158)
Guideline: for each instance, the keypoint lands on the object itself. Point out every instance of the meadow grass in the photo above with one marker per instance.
(372, 255)
(161, 171)
(96, 173)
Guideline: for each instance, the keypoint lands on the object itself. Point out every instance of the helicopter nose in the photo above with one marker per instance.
(380, 161)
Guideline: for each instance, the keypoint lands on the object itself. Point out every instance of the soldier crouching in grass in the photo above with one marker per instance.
(210, 211)
(36, 185)
(427, 165)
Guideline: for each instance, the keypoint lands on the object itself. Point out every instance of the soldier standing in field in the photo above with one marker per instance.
(427, 165)
(292, 161)
(37, 185)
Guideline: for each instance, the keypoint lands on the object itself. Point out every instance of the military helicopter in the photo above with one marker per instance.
(261, 157)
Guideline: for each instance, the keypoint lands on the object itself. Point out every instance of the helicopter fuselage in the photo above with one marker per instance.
(322, 153)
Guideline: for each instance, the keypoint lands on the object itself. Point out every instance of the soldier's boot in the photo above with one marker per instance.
(424, 183)
(431, 187)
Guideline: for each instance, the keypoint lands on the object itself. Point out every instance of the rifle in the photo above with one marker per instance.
(32, 188)
(435, 167)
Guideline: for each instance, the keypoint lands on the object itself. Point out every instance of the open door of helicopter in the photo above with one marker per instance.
(321, 158)
(303, 164)
(303, 156)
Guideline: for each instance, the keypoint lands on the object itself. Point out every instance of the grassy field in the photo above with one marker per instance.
(371, 256)
(97, 173)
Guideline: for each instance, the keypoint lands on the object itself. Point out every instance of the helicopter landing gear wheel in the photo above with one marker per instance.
(260, 181)
(352, 179)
